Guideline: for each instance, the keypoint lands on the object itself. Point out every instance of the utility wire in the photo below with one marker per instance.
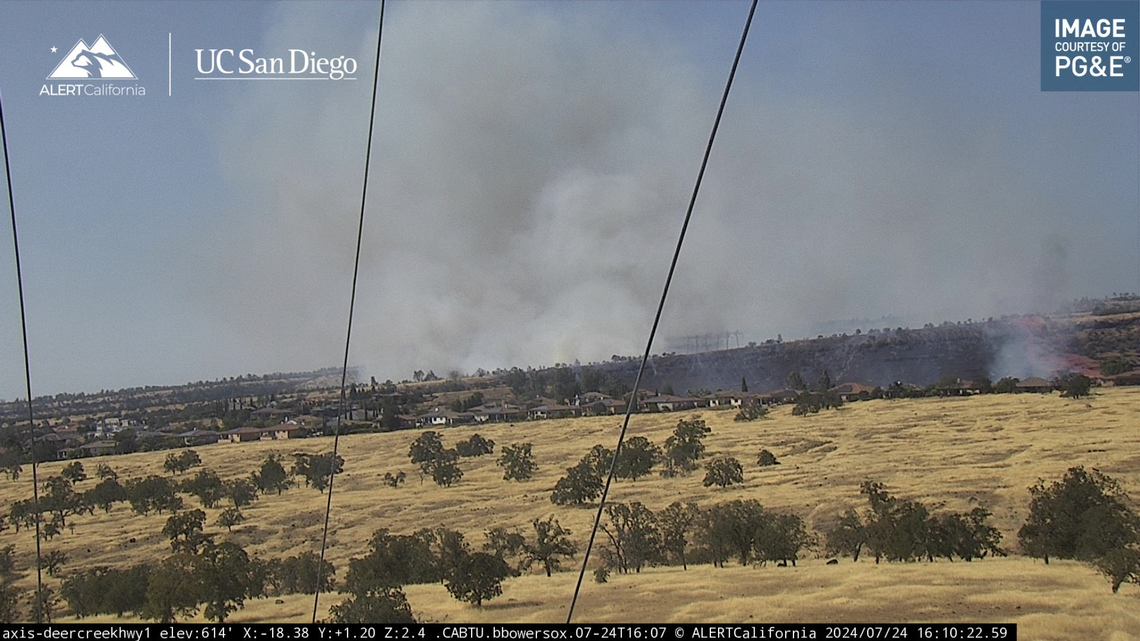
(351, 307)
(39, 608)
(657, 318)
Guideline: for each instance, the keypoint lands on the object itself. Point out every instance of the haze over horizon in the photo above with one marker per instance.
(530, 172)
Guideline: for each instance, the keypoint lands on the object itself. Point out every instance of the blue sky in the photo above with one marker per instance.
(531, 167)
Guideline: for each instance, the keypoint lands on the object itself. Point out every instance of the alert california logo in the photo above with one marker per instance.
(95, 70)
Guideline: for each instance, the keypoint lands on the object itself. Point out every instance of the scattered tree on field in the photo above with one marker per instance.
(767, 458)
(207, 486)
(813, 402)
(581, 484)
(632, 536)
(395, 481)
(723, 471)
(241, 492)
(225, 577)
(685, 447)
(636, 458)
(445, 468)
(172, 590)
(230, 517)
(272, 476)
(392, 561)
(477, 577)
(1084, 516)
(386, 605)
(550, 545)
(847, 537)
(184, 529)
(53, 561)
(1074, 385)
(517, 462)
(750, 410)
(677, 523)
(475, 446)
(74, 472)
(177, 463)
(317, 469)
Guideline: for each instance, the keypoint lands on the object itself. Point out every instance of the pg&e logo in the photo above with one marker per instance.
(1090, 46)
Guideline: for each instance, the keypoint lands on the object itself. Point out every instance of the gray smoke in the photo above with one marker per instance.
(530, 172)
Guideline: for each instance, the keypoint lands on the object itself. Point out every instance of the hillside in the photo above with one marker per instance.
(962, 452)
(1021, 346)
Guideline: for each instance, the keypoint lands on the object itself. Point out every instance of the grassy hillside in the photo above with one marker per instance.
(961, 452)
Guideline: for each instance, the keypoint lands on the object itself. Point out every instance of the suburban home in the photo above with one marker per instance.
(270, 414)
(553, 411)
(283, 431)
(730, 399)
(1035, 384)
(198, 437)
(959, 388)
(503, 413)
(669, 403)
(588, 398)
(444, 417)
(780, 396)
(97, 448)
(853, 391)
(605, 407)
(242, 434)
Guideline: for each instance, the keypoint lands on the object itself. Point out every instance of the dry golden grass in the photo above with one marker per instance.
(959, 452)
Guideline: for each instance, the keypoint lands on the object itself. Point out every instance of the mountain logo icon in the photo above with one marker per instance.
(100, 60)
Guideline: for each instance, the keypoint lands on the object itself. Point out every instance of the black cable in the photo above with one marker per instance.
(39, 608)
(660, 308)
(351, 307)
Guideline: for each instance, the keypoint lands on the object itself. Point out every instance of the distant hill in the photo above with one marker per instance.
(1076, 341)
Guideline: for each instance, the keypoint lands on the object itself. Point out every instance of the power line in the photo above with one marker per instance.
(660, 308)
(27, 369)
(351, 308)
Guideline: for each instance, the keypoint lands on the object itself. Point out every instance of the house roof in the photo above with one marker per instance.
(243, 430)
(669, 398)
(199, 433)
(552, 408)
(1034, 381)
(852, 388)
(98, 445)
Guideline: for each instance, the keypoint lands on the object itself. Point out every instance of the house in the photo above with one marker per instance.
(780, 396)
(606, 407)
(270, 414)
(730, 399)
(959, 388)
(853, 391)
(198, 437)
(669, 403)
(503, 413)
(97, 448)
(553, 411)
(283, 431)
(1035, 384)
(589, 398)
(539, 400)
(242, 434)
(443, 417)
(899, 389)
